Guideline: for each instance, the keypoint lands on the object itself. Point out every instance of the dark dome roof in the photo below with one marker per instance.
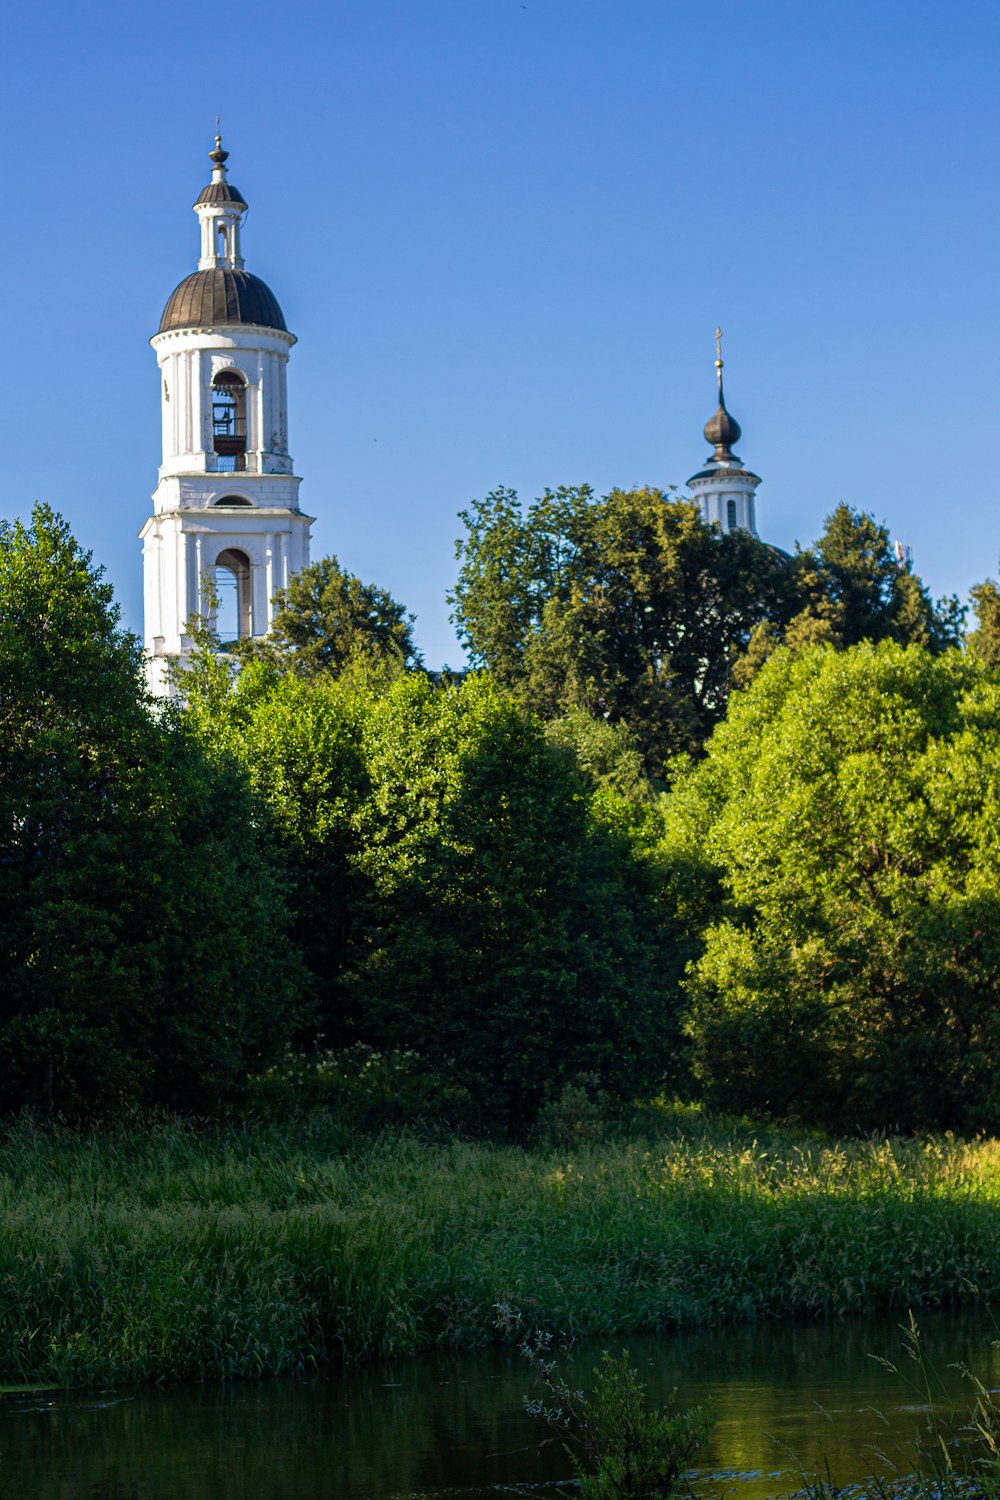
(722, 430)
(220, 192)
(206, 299)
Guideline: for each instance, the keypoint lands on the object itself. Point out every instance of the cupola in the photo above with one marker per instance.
(221, 292)
(724, 488)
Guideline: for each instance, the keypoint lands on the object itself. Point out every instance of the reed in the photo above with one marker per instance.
(151, 1254)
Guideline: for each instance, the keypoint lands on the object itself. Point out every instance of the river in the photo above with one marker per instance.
(789, 1397)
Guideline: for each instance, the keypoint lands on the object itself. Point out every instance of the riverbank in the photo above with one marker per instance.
(170, 1253)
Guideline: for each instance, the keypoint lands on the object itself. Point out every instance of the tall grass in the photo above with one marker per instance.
(159, 1254)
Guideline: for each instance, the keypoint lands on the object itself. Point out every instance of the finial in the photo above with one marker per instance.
(218, 155)
(718, 359)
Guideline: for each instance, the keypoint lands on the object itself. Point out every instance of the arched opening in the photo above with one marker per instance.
(234, 609)
(730, 515)
(229, 421)
(233, 500)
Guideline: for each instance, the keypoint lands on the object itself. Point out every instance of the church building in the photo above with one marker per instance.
(723, 487)
(226, 530)
(226, 508)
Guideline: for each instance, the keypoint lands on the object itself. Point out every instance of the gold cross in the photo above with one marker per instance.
(718, 346)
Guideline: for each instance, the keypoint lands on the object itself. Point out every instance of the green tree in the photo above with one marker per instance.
(628, 607)
(326, 617)
(847, 809)
(850, 586)
(461, 890)
(514, 935)
(984, 641)
(300, 741)
(141, 916)
(853, 581)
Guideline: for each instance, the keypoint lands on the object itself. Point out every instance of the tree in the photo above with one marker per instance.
(847, 809)
(984, 641)
(140, 956)
(514, 936)
(326, 617)
(851, 586)
(299, 741)
(461, 891)
(628, 607)
(853, 581)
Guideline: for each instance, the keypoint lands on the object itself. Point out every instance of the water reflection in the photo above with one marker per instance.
(453, 1425)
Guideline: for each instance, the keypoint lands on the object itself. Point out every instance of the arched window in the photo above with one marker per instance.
(229, 421)
(234, 611)
(730, 515)
(232, 500)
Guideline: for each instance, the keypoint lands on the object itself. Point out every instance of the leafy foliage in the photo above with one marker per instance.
(142, 915)
(619, 1447)
(459, 892)
(511, 933)
(849, 807)
(299, 741)
(627, 607)
(851, 587)
(984, 641)
(327, 618)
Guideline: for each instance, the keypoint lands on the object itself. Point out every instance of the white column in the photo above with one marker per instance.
(261, 441)
(183, 399)
(280, 563)
(201, 366)
(182, 581)
(166, 406)
(258, 604)
(282, 412)
(269, 575)
(157, 582)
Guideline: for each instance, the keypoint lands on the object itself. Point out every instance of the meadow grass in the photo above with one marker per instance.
(168, 1252)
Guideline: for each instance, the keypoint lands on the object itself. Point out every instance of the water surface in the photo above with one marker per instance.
(790, 1398)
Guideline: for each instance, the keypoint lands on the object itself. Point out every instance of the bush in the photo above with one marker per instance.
(619, 1448)
(366, 1090)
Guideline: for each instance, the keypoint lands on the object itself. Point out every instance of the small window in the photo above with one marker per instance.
(233, 500)
(730, 515)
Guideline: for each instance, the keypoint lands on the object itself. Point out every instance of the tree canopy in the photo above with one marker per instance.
(984, 641)
(461, 890)
(846, 815)
(628, 607)
(327, 618)
(851, 586)
(139, 951)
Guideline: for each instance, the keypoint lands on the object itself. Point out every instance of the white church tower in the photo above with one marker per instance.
(226, 508)
(724, 488)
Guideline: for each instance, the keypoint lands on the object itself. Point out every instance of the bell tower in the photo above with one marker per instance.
(226, 508)
(724, 488)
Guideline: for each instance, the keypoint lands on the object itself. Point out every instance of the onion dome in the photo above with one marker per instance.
(722, 430)
(222, 297)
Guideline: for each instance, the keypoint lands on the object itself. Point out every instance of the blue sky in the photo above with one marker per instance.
(504, 233)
